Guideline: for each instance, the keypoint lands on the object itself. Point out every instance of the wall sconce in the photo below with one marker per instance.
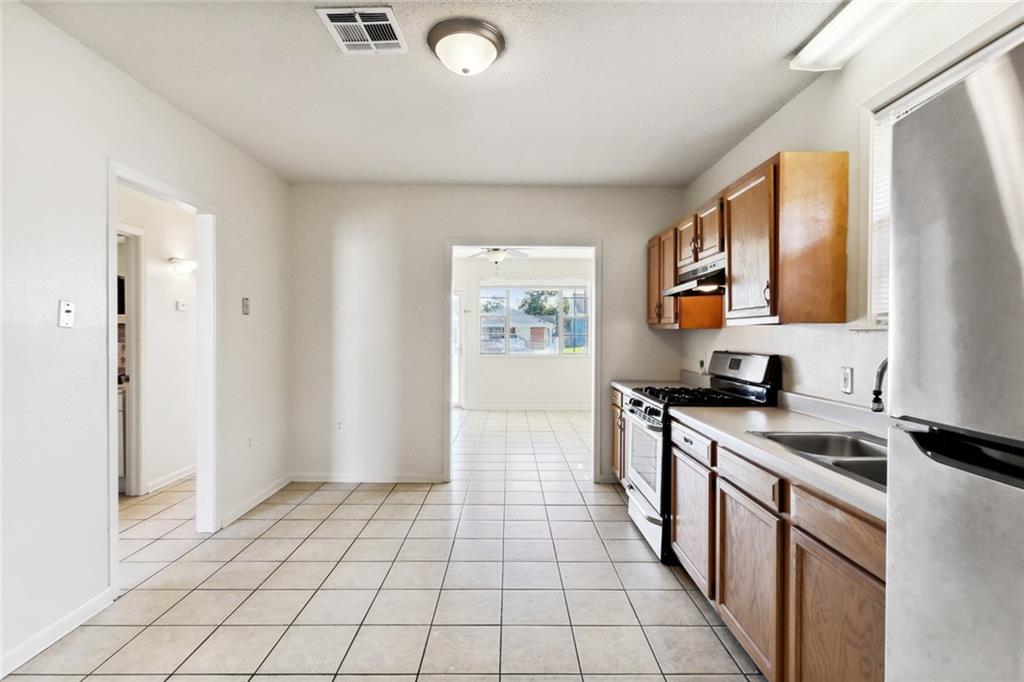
(182, 266)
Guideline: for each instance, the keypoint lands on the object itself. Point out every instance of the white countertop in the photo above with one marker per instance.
(729, 426)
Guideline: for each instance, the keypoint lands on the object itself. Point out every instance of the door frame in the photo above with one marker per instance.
(135, 309)
(207, 516)
(456, 294)
(597, 416)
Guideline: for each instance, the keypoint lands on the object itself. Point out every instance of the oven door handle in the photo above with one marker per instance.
(650, 427)
(656, 520)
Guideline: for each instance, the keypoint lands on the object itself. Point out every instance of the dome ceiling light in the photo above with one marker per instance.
(466, 46)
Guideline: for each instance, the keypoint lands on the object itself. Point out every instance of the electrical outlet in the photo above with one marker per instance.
(337, 426)
(702, 363)
(252, 441)
(847, 386)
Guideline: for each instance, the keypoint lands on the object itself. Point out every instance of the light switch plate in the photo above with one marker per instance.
(180, 306)
(245, 305)
(65, 314)
(847, 386)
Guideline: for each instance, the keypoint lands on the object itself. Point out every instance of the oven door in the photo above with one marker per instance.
(643, 459)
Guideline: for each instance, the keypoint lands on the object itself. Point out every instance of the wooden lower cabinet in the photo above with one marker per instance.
(750, 577)
(836, 617)
(618, 434)
(693, 523)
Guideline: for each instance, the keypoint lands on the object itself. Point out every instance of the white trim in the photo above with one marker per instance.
(184, 472)
(374, 477)
(528, 408)
(254, 500)
(25, 651)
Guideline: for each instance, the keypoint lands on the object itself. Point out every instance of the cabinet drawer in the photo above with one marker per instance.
(762, 485)
(692, 443)
(858, 539)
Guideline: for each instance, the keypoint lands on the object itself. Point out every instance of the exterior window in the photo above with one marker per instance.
(534, 320)
(881, 220)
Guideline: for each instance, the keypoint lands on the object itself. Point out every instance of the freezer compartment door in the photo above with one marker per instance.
(955, 571)
(957, 317)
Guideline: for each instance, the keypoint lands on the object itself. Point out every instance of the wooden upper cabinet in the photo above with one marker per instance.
(686, 242)
(710, 229)
(750, 242)
(749, 585)
(667, 240)
(654, 281)
(836, 617)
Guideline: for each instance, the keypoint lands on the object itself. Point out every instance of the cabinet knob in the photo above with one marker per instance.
(767, 291)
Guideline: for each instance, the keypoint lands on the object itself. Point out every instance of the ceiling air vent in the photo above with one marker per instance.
(368, 30)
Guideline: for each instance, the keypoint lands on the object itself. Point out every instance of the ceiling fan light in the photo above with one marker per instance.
(466, 46)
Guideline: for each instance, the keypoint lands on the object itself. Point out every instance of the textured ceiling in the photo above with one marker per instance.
(586, 93)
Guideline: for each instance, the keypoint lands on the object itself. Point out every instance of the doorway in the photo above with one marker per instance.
(162, 416)
(522, 355)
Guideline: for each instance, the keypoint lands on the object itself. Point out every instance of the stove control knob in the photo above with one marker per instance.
(652, 412)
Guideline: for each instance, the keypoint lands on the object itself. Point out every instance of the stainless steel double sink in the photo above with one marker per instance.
(859, 455)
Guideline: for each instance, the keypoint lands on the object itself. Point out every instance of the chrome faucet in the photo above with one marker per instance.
(876, 401)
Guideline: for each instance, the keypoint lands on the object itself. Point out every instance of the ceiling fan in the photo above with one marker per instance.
(497, 254)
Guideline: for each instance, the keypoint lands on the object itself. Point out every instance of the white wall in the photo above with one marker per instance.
(371, 299)
(168, 378)
(66, 114)
(829, 115)
(519, 382)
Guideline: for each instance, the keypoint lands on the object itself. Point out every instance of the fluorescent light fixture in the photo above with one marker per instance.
(466, 46)
(182, 266)
(849, 31)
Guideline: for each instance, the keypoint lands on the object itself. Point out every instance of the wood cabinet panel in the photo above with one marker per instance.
(700, 312)
(750, 235)
(692, 443)
(710, 229)
(749, 583)
(761, 484)
(654, 281)
(617, 441)
(667, 241)
(692, 531)
(859, 539)
(836, 617)
(686, 241)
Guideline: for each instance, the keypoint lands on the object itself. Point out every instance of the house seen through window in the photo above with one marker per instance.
(534, 320)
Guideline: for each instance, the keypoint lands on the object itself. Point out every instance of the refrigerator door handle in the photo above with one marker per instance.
(994, 461)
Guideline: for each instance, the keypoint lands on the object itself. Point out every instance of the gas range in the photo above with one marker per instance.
(737, 380)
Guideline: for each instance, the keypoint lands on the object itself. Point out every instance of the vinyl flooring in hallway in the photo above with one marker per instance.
(520, 567)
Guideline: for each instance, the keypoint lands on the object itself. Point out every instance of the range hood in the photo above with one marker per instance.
(703, 278)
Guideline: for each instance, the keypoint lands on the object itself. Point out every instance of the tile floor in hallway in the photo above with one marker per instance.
(520, 566)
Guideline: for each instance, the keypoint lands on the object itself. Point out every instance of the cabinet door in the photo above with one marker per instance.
(836, 617)
(617, 441)
(749, 585)
(710, 235)
(686, 241)
(654, 281)
(693, 501)
(750, 235)
(668, 275)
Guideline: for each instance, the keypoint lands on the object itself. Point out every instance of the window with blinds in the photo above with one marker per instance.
(881, 218)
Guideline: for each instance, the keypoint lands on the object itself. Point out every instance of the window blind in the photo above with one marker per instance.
(881, 218)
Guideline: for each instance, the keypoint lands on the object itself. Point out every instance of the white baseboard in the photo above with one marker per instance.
(531, 408)
(169, 478)
(20, 654)
(254, 500)
(374, 477)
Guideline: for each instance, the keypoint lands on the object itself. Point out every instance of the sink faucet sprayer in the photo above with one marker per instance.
(876, 401)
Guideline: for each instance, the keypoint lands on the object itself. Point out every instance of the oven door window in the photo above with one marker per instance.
(645, 460)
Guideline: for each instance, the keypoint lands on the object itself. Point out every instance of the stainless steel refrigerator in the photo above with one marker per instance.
(955, 547)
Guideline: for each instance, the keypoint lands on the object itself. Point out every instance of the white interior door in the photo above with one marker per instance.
(456, 363)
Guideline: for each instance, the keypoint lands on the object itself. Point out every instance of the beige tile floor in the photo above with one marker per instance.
(519, 567)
